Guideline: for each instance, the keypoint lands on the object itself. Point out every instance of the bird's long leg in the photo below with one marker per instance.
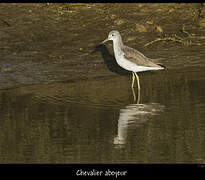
(138, 81)
(133, 79)
(138, 84)
(134, 95)
(138, 96)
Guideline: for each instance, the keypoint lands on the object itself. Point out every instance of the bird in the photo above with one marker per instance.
(129, 58)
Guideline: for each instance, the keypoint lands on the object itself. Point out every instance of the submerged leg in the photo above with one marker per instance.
(138, 84)
(138, 97)
(134, 95)
(134, 74)
(133, 79)
(138, 81)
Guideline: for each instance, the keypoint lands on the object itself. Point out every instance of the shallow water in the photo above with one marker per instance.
(97, 121)
(63, 98)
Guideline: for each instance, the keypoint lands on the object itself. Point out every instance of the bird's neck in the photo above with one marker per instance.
(117, 46)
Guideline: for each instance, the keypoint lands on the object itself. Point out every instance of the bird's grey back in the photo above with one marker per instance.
(137, 57)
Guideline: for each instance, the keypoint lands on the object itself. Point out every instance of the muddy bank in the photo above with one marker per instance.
(42, 43)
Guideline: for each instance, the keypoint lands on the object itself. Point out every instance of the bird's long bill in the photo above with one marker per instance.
(105, 41)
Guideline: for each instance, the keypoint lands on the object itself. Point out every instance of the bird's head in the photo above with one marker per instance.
(113, 35)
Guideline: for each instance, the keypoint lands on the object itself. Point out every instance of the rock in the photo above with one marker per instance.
(159, 29)
(119, 22)
(131, 38)
(113, 16)
(140, 28)
(150, 22)
(171, 10)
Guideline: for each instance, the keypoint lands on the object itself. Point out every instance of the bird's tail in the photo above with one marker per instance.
(159, 64)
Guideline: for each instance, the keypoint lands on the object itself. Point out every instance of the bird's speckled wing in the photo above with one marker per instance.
(138, 58)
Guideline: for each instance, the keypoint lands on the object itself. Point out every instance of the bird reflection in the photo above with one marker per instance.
(134, 115)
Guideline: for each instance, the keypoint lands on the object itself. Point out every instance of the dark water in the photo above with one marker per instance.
(97, 121)
(63, 99)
